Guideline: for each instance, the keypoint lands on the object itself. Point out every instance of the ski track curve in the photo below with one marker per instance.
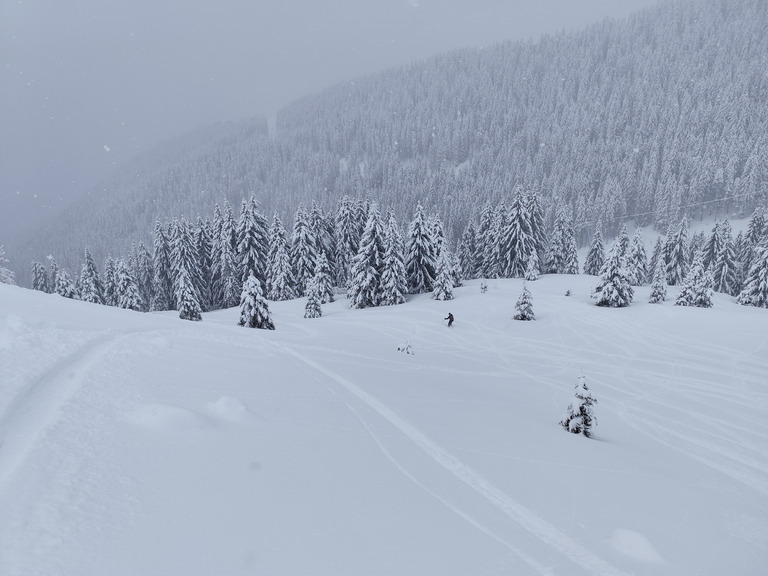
(37, 407)
(526, 519)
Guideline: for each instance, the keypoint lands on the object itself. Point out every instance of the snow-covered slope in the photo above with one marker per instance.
(144, 444)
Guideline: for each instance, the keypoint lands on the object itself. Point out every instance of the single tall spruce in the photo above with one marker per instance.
(312, 308)
(580, 418)
(595, 255)
(393, 280)
(659, 283)
(303, 250)
(419, 255)
(365, 289)
(126, 291)
(280, 283)
(91, 286)
(186, 297)
(254, 311)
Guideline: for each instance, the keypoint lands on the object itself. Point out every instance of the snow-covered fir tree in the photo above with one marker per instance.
(347, 231)
(656, 255)
(40, 278)
(325, 238)
(712, 245)
(64, 285)
(659, 283)
(322, 279)
(312, 308)
(696, 288)
(54, 271)
(110, 282)
(443, 286)
(524, 306)
(419, 255)
(365, 288)
(595, 254)
(203, 243)
(280, 283)
(725, 267)
(6, 274)
(516, 239)
(562, 257)
(467, 252)
(483, 241)
(614, 289)
(91, 286)
(755, 291)
(676, 255)
(228, 287)
(186, 297)
(126, 290)
(303, 250)
(162, 277)
(580, 418)
(532, 269)
(637, 260)
(393, 280)
(536, 224)
(184, 257)
(494, 256)
(254, 311)
(252, 242)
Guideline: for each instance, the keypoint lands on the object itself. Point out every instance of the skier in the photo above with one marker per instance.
(450, 319)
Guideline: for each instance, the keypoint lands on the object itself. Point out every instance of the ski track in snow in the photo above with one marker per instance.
(37, 406)
(525, 518)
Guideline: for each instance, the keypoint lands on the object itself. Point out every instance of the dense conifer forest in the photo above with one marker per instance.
(654, 119)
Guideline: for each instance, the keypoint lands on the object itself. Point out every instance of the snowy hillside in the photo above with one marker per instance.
(143, 444)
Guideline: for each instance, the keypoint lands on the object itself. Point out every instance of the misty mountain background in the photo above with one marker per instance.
(654, 117)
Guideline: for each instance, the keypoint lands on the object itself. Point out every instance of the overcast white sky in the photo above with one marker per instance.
(87, 84)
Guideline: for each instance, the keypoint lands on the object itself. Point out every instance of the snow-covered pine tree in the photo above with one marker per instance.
(637, 260)
(365, 289)
(252, 243)
(536, 222)
(110, 282)
(203, 244)
(659, 283)
(614, 289)
(467, 252)
(183, 257)
(713, 245)
(54, 267)
(186, 297)
(696, 289)
(254, 311)
(532, 269)
(755, 291)
(495, 250)
(677, 255)
(303, 250)
(322, 279)
(347, 232)
(580, 418)
(456, 270)
(91, 286)
(482, 240)
(524, 306)
(6, 274)
(516, 239)
(126, 291)
(229, 286)
(419, 257)
(64, 285)
(215, 238)
(312, 308)
(162, 278)
(656, 255)
(144, 274)
(325, 238)
(595, 254)
(443, 287)
(725, 267)
(393, 281)
(280, 284)
(40, 278)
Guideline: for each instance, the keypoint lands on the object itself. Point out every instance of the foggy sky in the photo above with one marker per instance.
(87, 84)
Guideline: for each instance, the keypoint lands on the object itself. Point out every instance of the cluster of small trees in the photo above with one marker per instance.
(207, 266)
(701, 266)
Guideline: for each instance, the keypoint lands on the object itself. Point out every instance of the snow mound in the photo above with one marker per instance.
(634, 545)
(167, 417)
(230, 408)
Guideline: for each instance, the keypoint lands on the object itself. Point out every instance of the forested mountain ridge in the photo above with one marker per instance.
(648, 119)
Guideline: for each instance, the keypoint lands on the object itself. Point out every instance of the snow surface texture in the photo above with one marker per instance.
(143, 444)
